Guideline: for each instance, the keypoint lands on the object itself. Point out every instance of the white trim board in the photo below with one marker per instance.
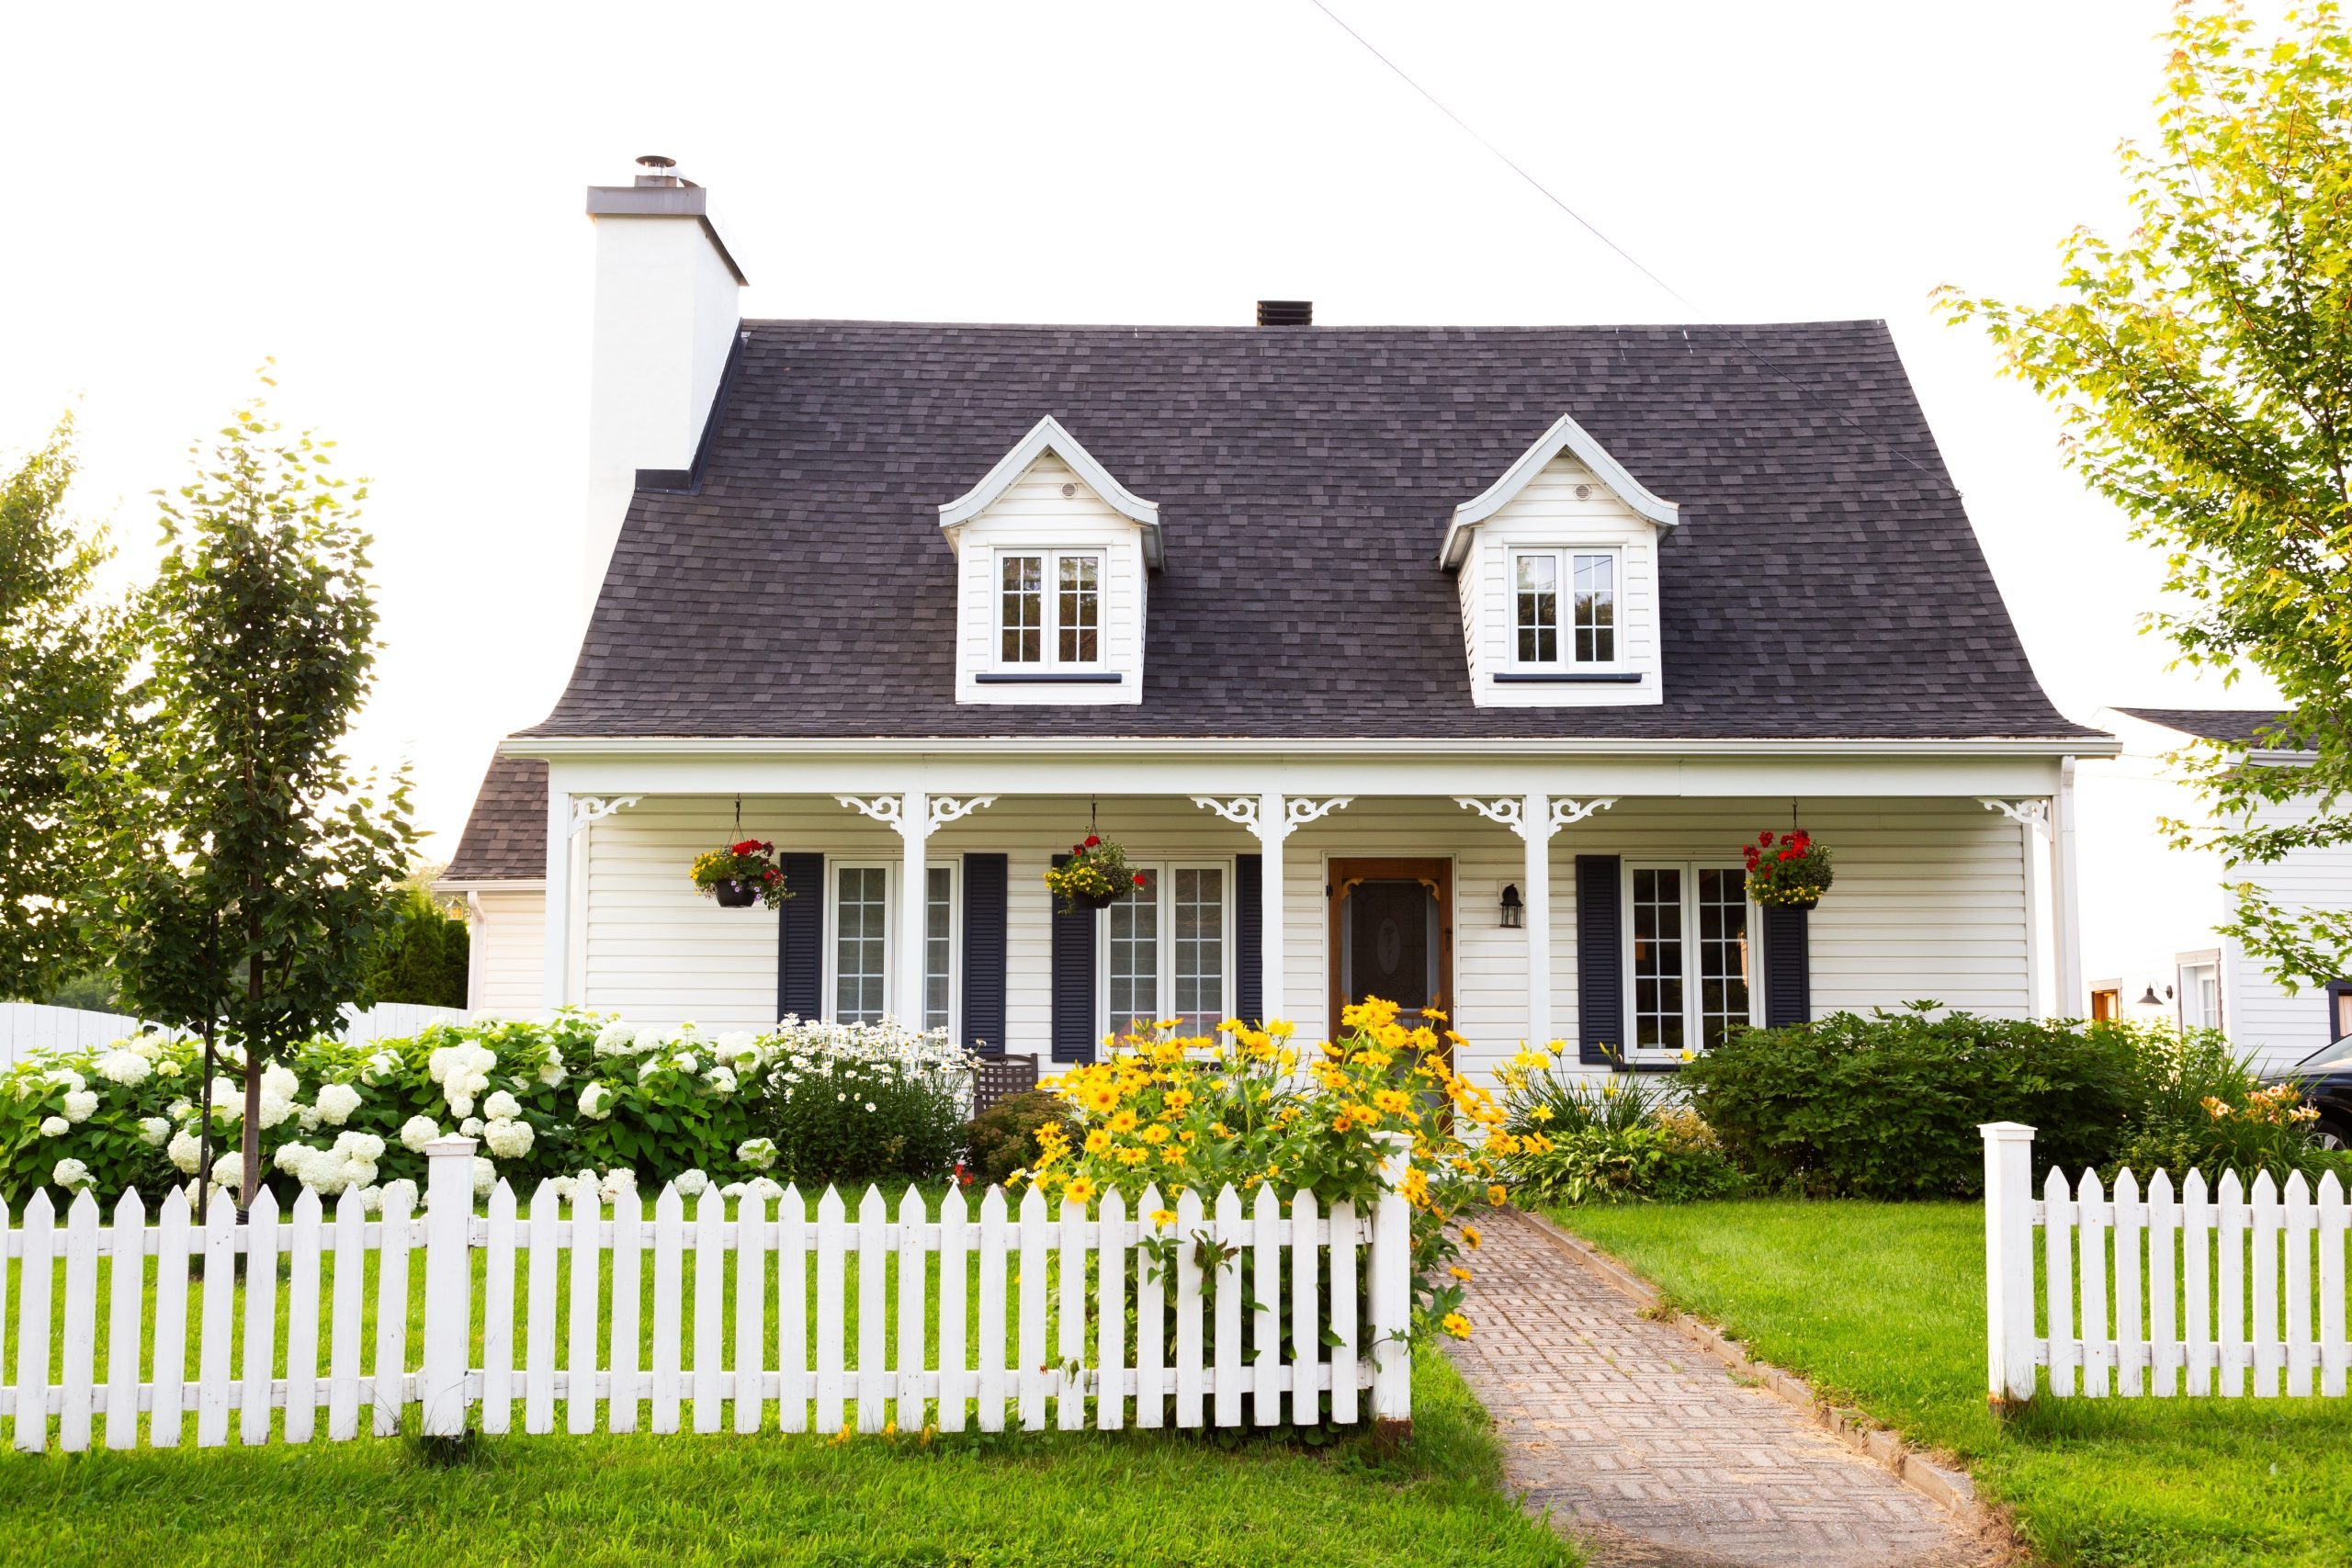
(1565, 435)
(1047, 435)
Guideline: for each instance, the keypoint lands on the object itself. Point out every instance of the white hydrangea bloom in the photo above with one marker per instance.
(154, 1129)
(66, 1078)
(562, 1187)
(229, 1175)
(124, 1066)
(731, 1190)
(462, 1105)
(596, 1102)
(69, 1173)
(502, 1105)
(721, 1080)
(292, 1157)
(470, 1127)
(646, 1069)
(485, 1176)
(692, 1183)
(228, 1099)
(507, 1138)
(551, 1072)
(417, 1132)
(54, 1126)
(372, 1200)
(184, 1153)
(364, 1146)
(337, 1102)
(685, 1063)
(616, 1182)
(80, 1104)
(179, 1110)
(378, 1067)
(765, 1188)
(757, 1152)
(615, 1039)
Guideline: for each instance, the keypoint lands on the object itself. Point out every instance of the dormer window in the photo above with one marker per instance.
(1564, 608)
(1045, 627)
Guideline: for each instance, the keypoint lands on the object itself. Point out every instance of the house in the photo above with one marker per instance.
(2155, 946)
(1456, 665)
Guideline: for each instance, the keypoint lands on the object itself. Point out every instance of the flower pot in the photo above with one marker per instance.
(734, 895)
(1098, 901)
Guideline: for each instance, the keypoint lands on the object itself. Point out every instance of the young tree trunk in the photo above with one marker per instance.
(252, 1130)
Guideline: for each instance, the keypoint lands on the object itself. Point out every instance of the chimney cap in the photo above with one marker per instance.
(654, 169)
(1285, 312)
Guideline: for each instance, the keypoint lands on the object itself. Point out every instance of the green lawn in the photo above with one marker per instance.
(1882, 1305)
(1047, 1500)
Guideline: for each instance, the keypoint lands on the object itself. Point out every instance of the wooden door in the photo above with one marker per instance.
(1391, 933)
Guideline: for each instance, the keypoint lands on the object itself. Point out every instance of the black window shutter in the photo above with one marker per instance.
(984, 891)
(1249, 923)
(1600, 961)
(801, 938)
(1073, 984)
(1788, 966)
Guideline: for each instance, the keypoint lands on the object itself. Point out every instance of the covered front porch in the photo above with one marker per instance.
(1597, 901)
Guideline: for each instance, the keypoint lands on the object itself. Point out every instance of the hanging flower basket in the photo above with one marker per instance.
(740, 875)
(1788, 871)
(1095, 878)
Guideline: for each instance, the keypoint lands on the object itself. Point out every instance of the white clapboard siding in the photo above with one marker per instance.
(2233, 1290)
(1075, 1268)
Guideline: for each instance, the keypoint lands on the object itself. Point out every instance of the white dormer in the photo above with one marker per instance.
(1557, 564)
(1051, 553)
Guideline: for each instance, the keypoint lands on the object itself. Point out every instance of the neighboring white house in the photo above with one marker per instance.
(1452, 664)
(2151, 940)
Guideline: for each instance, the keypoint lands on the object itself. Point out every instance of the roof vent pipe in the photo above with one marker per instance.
(655, 170)
(1285, 312)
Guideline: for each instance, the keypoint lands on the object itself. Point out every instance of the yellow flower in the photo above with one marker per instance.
(1470, 1235)
(1393, 1100)
(1454, 1323)
(1541, 1113)
(1496, 1195)
(1078, 1190)
(1155, 1133)
(1460, 1273)
(1162, 1218)
(1098, 1140)
(1123, 1122)
(1132, 1156)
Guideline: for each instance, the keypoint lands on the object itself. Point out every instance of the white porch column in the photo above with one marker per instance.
(2036, 824)
(1272, 830)
(556, 925)
(1536, 828)
(2073, 1000)
(914, 835)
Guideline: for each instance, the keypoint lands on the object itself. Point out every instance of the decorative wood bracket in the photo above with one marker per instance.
(2033, 813)
(1569, 813)
(883, 808)
(1298, 814)
(589, 810)
(1241, 810)
(946, 808)
(1504, 812)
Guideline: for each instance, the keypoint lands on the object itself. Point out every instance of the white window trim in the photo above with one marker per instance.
(1050, 635)
(891, 871)
(1692, 1030)
(955, 871)
(2183, 964)
(1164, 870)
(1565, 556)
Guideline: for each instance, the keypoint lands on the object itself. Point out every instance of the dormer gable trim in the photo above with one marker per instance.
(1565, 435)
(1047, 435)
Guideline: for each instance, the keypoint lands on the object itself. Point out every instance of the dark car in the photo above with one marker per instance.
(2325, 1078)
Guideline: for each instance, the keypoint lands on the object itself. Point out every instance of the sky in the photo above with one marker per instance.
(389, 202)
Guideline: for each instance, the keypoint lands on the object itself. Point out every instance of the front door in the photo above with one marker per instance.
(1392, 932)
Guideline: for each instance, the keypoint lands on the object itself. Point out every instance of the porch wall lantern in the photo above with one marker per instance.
(1514, 908)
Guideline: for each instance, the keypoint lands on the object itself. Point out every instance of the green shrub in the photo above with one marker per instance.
(1888, 1106)
(863, 1102)
(1003, 1138)
(421, 957)
(1623, 1138)
(2198, 1105)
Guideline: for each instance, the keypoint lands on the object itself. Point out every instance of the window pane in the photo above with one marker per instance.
(861, 927)
(1081, 609)
(1538, 599)
(1132, 957)
(1722, 953)
(1596, 609)
(938, 940)
(1658, 959)
(1022, 631)
(1199, 926)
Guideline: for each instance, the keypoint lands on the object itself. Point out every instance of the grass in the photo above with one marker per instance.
(1045, 1500)
(1882, 1306)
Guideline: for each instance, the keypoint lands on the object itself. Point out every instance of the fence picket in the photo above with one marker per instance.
(1228, 1307)
(1266, 1291)
(954, 1382)
(1346, 1365)
(1190, 1384)
(2333, 1352)
(2262, 1232)
(669, 1293)
(710, 1309)
(301, 1319)
(219, 1303)
(831, 1216)
(1151, 1316)
(80, 1343)
(127, 1290)
(2058, 1205)
(2197, 1278)
(587, 1267)
(169, 1360)
(350, 1276)
(37, 1239)
(750, 1314)
(2131, 1334)
(498, 1313)
(2090, 1234)
(991, 1346)
(538, 1321)
(2298, 1233)
(1032, 1276)
(260, 1318)
(2229, 1285)
(1305, 1320)
(1070, 1404)
(391, 1309)
(629, 1242)
(792, 1309)
(1111, 1322)
(913, 1214)
(873, 1307)
(2163, 1238)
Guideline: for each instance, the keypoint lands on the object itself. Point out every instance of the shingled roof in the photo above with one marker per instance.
(1825, 581)
(2232, 726)
(506, 835)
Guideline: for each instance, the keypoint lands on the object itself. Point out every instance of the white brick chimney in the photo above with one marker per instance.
(666, 318)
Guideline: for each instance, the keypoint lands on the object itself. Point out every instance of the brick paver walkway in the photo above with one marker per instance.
(1651, 1453)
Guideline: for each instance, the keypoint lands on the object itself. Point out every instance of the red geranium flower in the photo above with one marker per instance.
(1138, 879)
(1765, 837)
(1094, 843)
(749, 847)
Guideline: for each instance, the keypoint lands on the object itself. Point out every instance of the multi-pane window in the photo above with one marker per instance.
(1687, 957)
(1564, 629)
(1049, 608)
(938, 947)
(1165, 952)
(860, 943)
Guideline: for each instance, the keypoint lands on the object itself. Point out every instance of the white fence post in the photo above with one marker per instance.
(1392, 1286)
(2009, 1259)
(448, 1284)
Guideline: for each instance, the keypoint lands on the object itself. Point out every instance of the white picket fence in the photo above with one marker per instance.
(32, 1029)
(2163, 1290)
(1334, 1268)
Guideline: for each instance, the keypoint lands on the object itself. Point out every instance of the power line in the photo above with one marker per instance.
(1630, 259)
